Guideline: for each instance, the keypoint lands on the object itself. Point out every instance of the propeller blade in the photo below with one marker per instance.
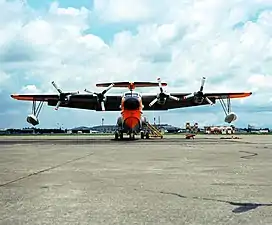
(160, 85)
(209, 100)
(55, 86)
(173, 97)
(108, 88)
(202, 83)
(188, 96)
(89, 91)
(57, 106)
(153, 102)
(103, 106)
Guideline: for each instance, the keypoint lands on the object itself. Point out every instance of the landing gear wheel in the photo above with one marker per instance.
(147, 136)
(116, 136)
(131, 136)
(121, 136)
(142, 135)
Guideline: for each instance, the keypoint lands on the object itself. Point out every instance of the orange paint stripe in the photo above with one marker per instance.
(31, 98)
(131, 122)
(246, 94)
(23, 98)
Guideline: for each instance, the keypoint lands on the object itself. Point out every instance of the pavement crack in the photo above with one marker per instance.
(45, 170)
(251, 154)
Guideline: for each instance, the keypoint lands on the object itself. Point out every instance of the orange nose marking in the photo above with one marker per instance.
(132, 122)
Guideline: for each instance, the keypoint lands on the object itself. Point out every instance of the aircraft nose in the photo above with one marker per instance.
(131, 103)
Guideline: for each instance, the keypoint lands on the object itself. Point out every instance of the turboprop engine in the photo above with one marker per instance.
(32, 119)
(230, 117)
(198, 97)
(162, 96)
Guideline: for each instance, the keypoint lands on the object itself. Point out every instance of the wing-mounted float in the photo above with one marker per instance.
(199, 97)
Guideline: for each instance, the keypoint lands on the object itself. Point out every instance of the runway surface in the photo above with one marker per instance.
(96, 180)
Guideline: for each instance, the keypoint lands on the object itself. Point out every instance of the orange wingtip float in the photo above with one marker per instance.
(131, 84)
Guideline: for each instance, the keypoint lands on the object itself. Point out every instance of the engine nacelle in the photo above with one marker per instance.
(32, 119)
(198, 99)
(230, 117)
(161, 99)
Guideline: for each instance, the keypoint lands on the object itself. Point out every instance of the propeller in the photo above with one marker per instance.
(101, 96)
(64, 97)
(162, 96)
(200, 96)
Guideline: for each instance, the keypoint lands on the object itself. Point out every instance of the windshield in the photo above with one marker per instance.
(133, 94)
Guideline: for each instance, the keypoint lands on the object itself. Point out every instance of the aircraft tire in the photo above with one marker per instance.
(142, 135)
(131, 136)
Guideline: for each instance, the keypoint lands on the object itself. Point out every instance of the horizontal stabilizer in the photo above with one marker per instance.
(126, 84)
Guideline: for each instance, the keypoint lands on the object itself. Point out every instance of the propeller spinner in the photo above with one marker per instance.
(162, 96)
(64, 97)
(101, 96)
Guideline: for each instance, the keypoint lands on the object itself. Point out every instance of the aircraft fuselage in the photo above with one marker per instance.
(131, 120)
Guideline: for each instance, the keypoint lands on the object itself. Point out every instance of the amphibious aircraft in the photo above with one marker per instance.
(131, 104)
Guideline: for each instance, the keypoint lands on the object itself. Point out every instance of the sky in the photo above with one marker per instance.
(80, 43)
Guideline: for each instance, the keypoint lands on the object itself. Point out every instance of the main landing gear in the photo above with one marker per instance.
(145, 135)
(120, 135)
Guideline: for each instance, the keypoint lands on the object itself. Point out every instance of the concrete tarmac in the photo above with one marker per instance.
(96, 180)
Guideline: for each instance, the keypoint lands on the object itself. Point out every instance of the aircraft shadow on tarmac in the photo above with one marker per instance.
(241, 206)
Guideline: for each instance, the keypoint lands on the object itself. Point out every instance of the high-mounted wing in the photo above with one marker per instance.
(91, 101)
(165, 101)
(79, 101)
(188, 102)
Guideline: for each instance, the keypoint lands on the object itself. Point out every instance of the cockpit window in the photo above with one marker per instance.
(133, 94)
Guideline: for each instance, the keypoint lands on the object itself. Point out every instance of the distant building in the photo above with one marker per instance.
(105, 128)
(219, 129)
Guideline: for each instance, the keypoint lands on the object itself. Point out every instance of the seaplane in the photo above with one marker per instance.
(131, 103)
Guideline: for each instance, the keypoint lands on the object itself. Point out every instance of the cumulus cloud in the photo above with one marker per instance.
(125, 10)
(228, 42)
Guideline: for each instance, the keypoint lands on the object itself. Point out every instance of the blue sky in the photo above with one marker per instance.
(80, 43)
